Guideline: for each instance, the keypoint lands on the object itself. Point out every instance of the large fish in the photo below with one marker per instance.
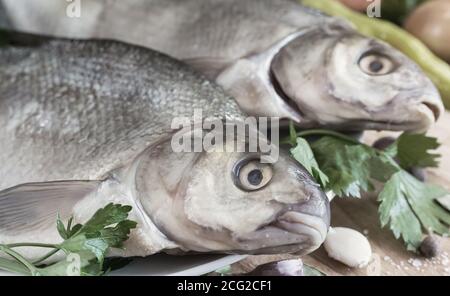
(276, 57)
(86, 123)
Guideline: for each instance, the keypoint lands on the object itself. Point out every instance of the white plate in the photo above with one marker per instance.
(190, 265)
(162, 264)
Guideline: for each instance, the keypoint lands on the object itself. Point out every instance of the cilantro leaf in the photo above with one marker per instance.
(86, 266)
(382, 167)
(311, 271)
(350, 167)
(292, 134)
(422, 198)
(304, 155)
(61, 228)
(68, 266)
(111, 214)
(407, 204)
(111, 237)
(395, 211)
(85, 245)
(413, 150)
(108, 228)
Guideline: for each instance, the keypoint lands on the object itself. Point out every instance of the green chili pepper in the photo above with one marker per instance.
(436, 69)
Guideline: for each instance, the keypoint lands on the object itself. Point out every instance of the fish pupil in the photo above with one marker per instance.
(376, 66)
(255, 177)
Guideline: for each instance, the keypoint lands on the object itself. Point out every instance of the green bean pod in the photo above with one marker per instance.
(436, 69)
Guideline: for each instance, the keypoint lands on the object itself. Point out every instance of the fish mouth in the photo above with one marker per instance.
(291, 233)
(435, 110)
(358, 125)
(313, 227)
(425, 108)
(426, 113)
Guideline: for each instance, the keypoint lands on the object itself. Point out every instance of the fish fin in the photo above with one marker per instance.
(208, 66)
(36, 205)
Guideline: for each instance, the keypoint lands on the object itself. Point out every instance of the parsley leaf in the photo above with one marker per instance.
(422, 198)
(99, 233)
(311, 271)
(304, 155)
(350, 167)
(407, 203)
(85, 245)
(413, 150)
(63, 232)
(395, 211)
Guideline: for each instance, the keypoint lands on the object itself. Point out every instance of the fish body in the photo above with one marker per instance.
(87, 123)
(276, 57)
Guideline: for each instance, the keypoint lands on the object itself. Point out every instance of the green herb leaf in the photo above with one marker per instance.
(86, 265)
(422, 198)
(292, 134)
(407, 204)
(311, 271)
(111, 214)
(108, 228)
(61, 228)
(115, 263)
(85, 245)
(304, 155)
(382, 167)
(395, 211)
(13, 266)
(413, 150)
(350, 167)
(74, 264)
(74, 230)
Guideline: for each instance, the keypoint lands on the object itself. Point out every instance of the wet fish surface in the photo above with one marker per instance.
(276, 57)
(86, 123)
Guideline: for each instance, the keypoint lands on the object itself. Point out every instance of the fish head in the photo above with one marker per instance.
(233, 202)
(340, 79)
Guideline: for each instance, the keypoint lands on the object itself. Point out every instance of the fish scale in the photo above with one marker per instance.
(73, 96)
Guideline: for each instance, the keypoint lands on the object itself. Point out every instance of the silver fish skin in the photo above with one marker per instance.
(87, 123)
(276, 57)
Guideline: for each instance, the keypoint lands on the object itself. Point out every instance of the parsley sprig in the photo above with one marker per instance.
(84, 246)
(347, 167)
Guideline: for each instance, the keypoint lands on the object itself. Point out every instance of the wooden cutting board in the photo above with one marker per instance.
(389, 255)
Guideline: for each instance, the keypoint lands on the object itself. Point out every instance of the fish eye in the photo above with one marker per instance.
(251, 175)
(375, 64)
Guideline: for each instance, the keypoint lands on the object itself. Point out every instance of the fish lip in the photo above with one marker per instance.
(304, 224)
(357, 125)
(427, 106)
(427, 113)
(435, 109)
